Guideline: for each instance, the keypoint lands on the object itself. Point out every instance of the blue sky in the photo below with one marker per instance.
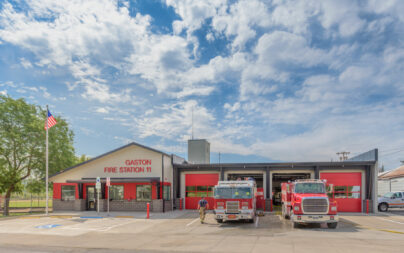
(266, 80)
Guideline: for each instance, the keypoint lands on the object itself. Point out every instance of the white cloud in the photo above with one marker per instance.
(3, 92)
(103, 110)
(25, 63)
(45, 92)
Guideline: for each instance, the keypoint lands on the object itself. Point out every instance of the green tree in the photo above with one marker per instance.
(82, 159)
(35, 186)
(22, 145)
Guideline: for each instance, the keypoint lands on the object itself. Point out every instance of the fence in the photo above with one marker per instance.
(26, 203)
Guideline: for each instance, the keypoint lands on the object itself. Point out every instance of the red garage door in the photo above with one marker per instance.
(347, 190)
(198, 185)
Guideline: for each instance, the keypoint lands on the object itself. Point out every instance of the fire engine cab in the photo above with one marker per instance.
(306, 201)
(235, 200)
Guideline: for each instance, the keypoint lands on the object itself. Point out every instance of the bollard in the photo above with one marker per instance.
(148, 211)
(180, 204)
(367, 206)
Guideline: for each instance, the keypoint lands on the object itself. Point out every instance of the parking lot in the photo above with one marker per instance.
(181, 231)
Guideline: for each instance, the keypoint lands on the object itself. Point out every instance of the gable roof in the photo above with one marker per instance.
(108, 153)
(399, 172)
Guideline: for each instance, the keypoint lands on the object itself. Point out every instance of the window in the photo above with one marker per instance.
(344, 192)
(309, 188)
(166, 192)
(116, 192)
(233, 193)
(397, 195)
(199, 191)
(68, 192)
(143, 192)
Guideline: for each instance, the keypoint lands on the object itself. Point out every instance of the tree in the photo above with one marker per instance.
(82, 159)
(35, 186)
(22, 144)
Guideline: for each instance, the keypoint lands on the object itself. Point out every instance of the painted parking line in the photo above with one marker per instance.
(192, 222)
(48, 226)
(91, 217)
(124, 216)
(371, 228)
(29, 217)
(398, 222)
(61, 216)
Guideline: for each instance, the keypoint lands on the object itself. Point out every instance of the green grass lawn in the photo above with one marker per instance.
(13, 214)
(27, 203)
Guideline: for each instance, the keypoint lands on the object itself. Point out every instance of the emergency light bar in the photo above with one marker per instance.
(236, 183)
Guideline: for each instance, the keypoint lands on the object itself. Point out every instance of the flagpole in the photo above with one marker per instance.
(46, 183)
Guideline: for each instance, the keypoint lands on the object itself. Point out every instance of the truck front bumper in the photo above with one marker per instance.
(239, 216)
(314, 218)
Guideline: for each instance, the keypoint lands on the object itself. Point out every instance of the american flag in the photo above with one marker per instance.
(51, 120)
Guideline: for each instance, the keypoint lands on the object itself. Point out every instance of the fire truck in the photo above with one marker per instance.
(306, 201)
(235, 200)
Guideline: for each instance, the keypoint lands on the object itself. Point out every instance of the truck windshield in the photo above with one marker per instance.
(233, 193)
(309, 188)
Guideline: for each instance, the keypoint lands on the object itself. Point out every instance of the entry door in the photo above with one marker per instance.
(397, 200)
(91, 198)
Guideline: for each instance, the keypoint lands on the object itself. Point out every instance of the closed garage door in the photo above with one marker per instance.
(347, 190)
(198, 186)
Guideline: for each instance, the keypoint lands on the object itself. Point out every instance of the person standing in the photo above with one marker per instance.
(202, 206)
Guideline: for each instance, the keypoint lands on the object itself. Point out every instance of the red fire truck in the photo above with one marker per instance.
(235, 200)
(306, 201)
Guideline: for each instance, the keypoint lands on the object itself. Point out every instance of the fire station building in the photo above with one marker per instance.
(141, 175)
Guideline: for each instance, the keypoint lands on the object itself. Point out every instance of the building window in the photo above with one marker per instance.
(143, 192)
(116, 192)
(199, 191)
(166, 193)
(344, 192)
(68, 192)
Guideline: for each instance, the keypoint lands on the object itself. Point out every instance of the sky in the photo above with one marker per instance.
(265, 81)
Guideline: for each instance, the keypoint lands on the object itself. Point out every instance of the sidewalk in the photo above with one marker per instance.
(129, 214)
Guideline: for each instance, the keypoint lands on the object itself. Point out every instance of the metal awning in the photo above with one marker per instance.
(118, 180)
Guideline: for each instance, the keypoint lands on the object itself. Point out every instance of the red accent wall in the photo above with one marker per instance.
(57, 190)
(346, 179)
(201, 179)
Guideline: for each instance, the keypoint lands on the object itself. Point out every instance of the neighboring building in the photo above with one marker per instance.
(139, 174)
(391, 181)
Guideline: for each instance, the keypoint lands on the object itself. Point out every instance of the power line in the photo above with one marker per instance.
(395, 152)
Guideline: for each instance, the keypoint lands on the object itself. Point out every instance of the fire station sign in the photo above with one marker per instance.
(131, 167)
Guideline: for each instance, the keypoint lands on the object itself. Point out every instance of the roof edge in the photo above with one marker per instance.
(108, 153)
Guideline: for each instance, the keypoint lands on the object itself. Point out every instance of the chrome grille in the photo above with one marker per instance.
(315, 205)
(232, 207)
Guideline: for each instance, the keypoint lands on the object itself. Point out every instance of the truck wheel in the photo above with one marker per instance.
(332, 225)
(219, 220)
(296, 225)
(383, 207)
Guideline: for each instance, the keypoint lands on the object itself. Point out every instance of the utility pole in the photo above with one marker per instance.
(343, 155)
(219, 157)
